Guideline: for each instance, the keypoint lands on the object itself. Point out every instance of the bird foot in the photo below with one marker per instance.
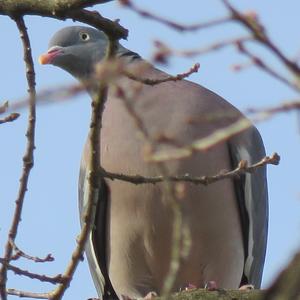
(211, 285)
(189, 287)
(246, 287)
(149, 296)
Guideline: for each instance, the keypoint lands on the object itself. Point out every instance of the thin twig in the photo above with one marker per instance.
(258, 32)
(255, 114)
(50, 96)
(179, 236)
(25, 294)
(148, 81)
(242, 168)
(93, 18)
(65, 92)
(19, 253)
(28, 157)
(260, 63)
(10, 118)
(62, 10)
(174, 25)
(281, 108)
(93, 182)
(44, 278)
(201, 144)
(163, 51)
(3, 107)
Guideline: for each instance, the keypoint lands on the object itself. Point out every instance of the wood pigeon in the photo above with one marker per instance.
(130, 245)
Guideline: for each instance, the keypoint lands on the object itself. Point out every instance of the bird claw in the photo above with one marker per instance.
(246, 287)
(190, 286)
(211, 285)
(149, 296)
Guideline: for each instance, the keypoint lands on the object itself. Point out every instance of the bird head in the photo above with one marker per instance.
(76, 49)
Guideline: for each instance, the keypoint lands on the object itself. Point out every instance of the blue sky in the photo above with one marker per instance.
(50, 220)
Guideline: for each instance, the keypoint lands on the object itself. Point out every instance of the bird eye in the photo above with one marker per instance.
(84, 36)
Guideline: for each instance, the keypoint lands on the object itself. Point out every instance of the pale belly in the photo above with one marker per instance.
(140, 240)
(141, 221)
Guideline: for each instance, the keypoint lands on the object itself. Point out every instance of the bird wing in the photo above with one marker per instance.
(90, 250)
(252, 196)
(97, 256)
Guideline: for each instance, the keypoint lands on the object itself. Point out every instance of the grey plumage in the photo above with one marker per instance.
(252, 196)
(228, 220)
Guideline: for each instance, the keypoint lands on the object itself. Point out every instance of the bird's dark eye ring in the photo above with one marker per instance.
(84, 36)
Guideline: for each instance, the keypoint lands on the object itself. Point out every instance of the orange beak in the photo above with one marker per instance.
(48, 57)
(44, 59)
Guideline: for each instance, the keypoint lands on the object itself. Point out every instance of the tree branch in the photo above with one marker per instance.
(19, 253)
(163, 51)
(27, 159)
(43, 278)
(25, 294)
(94, 180)
(148, 81)
(61, 10)
(10, 118)
(261, 64)
(259, 34)
(242, 168)
(174, 25)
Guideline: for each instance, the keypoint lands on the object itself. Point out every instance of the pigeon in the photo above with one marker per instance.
(130, 245)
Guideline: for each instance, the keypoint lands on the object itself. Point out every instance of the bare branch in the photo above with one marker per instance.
(202, 144)
(27, 159)
(57, 6)
(44, 278)
(256, 114)
(61, 10)
(152, 82)
(93, 18)
(222, 134)
(281, 108)
(10, 118)
(94, 180)
(74, 9)
(253, 25)
(115, 69)
(163, 51)
(242, 168)
(19, 253)
(172, 24)
(261, 64)
(3, 107)
(50, 96)
(24, 294)
(140, 126)
(179, 230)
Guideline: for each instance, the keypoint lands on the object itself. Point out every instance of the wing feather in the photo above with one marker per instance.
(252, 195)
